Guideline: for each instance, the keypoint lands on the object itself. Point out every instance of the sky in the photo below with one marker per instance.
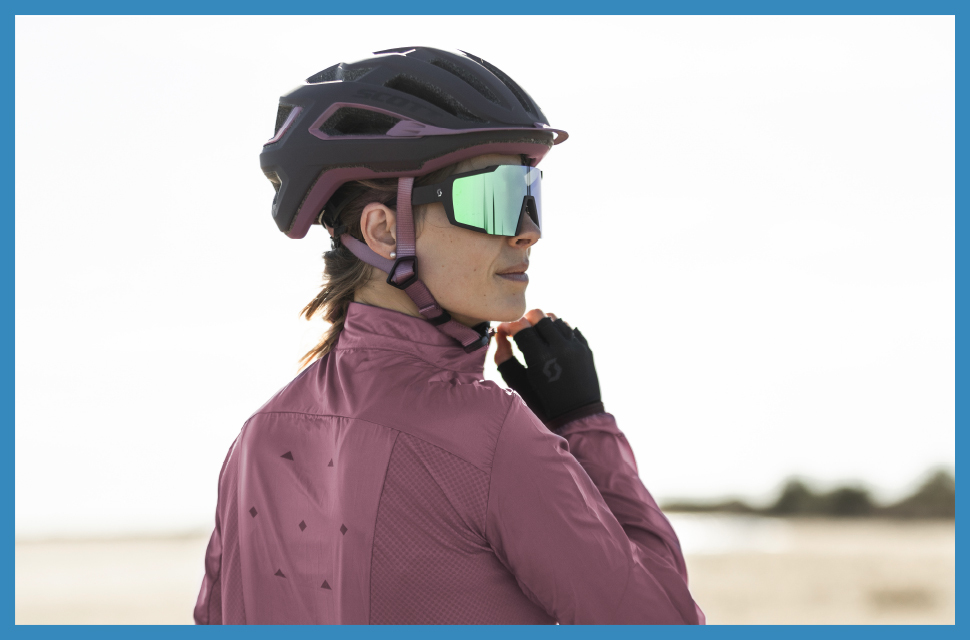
(752, 222)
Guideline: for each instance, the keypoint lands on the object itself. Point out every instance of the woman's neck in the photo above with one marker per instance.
(378, 293)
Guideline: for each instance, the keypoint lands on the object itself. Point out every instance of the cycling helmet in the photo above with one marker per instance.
(404, 113)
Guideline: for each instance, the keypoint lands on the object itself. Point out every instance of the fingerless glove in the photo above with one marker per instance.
(559, 382)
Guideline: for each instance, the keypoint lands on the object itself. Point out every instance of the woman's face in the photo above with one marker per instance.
(464, 269)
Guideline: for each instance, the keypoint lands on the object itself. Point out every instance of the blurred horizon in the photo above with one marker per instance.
(934, 498)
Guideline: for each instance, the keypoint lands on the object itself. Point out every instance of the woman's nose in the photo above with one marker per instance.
(529, 233)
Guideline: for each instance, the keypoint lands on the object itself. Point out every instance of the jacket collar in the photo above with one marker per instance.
(370, 327)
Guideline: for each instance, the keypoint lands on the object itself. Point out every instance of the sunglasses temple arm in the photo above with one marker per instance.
(428, 194)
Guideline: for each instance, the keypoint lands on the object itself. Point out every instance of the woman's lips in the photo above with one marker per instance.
(516, 273)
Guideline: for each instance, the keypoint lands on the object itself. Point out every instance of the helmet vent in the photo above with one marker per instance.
(348, 121)
(470, 78)
(430, 93)
(508, 82)
(338, 72)
(281, 115)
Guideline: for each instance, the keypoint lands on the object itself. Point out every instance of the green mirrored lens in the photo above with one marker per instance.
(493, 201)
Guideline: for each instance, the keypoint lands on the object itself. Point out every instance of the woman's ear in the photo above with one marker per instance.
(378, 225)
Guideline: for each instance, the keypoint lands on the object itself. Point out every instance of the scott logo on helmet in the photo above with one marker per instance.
(552, 370)
(394, 101)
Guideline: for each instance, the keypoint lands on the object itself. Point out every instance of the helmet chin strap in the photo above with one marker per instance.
(402, 273)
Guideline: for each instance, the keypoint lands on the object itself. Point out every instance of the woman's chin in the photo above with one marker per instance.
(496, 308)
(510, 312)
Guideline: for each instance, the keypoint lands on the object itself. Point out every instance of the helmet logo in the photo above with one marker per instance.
(552, 370)
(439, 193)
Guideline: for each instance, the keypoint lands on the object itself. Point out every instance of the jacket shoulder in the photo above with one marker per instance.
(462, 418)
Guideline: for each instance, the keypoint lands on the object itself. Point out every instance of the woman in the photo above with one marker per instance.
(389, 483)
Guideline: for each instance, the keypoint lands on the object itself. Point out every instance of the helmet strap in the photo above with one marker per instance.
(402, 272)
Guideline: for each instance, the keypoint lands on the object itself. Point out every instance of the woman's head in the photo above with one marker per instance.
(462, 268)
(474, 276)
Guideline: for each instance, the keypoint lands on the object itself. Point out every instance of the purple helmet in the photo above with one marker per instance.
(404, 113)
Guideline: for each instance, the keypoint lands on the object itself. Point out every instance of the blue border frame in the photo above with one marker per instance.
(428, 7)
(453, 632)
(496, 7)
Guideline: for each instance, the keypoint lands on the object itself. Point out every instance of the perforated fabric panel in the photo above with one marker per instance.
(431, 563)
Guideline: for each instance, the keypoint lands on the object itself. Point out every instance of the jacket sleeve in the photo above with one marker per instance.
(607, 457)
(551, 526)
(208, 606)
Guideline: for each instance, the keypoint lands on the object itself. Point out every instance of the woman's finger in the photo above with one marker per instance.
(534, 316)
(512, 328)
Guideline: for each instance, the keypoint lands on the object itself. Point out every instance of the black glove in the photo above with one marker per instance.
(560, 383)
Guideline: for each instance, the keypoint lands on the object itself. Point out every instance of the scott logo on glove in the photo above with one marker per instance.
(552, 370)
(554, 353)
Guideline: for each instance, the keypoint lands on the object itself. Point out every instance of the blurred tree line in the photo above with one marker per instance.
(935, 498)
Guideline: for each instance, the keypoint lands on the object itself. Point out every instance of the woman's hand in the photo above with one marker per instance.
(560, 381)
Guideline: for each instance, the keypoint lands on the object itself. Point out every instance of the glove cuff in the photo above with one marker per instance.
(582, 412)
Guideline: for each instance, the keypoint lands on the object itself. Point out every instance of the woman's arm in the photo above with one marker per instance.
(550, 524)
(208, 606)
(606, 456)
(599, 445)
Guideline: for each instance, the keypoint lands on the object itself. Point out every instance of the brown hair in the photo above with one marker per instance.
(344, 273)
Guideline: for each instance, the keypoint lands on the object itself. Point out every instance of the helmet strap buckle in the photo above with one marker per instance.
(392, 272)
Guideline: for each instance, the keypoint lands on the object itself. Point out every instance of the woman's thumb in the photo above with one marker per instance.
(503, 348)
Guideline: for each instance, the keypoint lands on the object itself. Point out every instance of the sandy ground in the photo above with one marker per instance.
(823, 572)
(741, 571)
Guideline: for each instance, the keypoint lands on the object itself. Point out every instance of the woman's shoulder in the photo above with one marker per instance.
(483, 395)
(464, 418)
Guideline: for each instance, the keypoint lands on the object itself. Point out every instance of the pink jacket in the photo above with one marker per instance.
(388, 483)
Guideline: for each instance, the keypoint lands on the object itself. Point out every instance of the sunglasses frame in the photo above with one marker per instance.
(442, 192)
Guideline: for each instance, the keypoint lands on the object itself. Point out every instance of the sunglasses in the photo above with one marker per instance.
(490, 200)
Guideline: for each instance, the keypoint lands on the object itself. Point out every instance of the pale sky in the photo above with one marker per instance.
(752, 222)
